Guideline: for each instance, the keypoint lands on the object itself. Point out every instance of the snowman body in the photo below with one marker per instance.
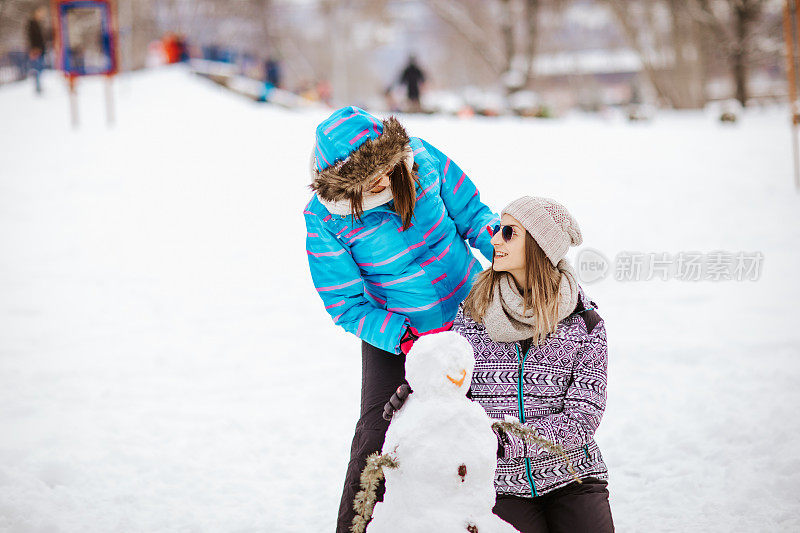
(444, 446)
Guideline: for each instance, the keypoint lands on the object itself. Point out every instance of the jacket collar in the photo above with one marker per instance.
(370, 202)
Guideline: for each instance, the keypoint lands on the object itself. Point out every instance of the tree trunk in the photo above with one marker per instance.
(629, 28)
(741, 22)
(264, 9)
(532, 8)
(2, 5)
(732, 33)
(687, 76)
(143, 31)
(507, 30)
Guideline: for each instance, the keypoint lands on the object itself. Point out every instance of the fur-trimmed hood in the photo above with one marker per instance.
(352, 172)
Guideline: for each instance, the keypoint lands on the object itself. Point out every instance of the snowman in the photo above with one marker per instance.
(443, 446)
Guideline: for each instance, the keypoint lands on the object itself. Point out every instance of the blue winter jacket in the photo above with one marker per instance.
(376, 279)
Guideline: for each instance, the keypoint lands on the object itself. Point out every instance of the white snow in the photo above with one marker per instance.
(166, 365)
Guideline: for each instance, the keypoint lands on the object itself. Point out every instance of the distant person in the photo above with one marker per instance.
(172, 48)
(36, 44)
(183, 48)
(413, 78)
(272, 72)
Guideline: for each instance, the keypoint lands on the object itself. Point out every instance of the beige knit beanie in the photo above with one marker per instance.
(548, 222)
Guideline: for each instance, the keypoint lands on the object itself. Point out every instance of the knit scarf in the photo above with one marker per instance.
(504, 318)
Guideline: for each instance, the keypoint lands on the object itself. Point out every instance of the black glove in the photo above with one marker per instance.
(407, 340)
(396, 401)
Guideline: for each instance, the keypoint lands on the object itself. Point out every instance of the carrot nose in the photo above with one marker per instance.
(458, 382)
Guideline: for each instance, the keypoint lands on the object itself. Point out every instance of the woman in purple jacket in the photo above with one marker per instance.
(541, 357)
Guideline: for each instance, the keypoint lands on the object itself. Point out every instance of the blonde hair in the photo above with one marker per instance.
(540, 293)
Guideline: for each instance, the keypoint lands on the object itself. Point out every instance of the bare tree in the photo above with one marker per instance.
(509, 45)
(688, 77)
(532, 11)
(732, 23)
(631, 30)
(13, 15)
(463, 17)
(507, 31)
(667, 41)
(3, 4)
(531, 21)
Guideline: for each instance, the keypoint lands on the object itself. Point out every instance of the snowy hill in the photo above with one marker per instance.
(166, 365)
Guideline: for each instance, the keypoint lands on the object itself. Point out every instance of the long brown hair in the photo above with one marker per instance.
(404, 191)
(540, 293)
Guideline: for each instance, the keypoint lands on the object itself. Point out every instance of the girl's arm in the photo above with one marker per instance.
(584, 403)
(463, 203)
(338, 281)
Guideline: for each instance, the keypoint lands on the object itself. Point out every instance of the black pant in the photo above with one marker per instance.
(381, 373)
(574, 508)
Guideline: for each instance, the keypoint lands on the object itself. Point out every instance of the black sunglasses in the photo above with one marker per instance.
(508, 231)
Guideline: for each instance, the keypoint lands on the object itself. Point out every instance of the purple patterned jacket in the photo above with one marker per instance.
(562, 387)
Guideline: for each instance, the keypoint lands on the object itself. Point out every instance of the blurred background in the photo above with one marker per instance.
(529, 57)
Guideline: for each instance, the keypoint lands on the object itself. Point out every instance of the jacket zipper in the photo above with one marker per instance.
(521, 406)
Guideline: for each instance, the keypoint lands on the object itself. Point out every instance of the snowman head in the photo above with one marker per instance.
(440, 365)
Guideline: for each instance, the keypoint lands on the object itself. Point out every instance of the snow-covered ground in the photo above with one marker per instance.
(166, 365)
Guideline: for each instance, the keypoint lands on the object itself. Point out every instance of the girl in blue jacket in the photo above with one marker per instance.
(386, 247)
